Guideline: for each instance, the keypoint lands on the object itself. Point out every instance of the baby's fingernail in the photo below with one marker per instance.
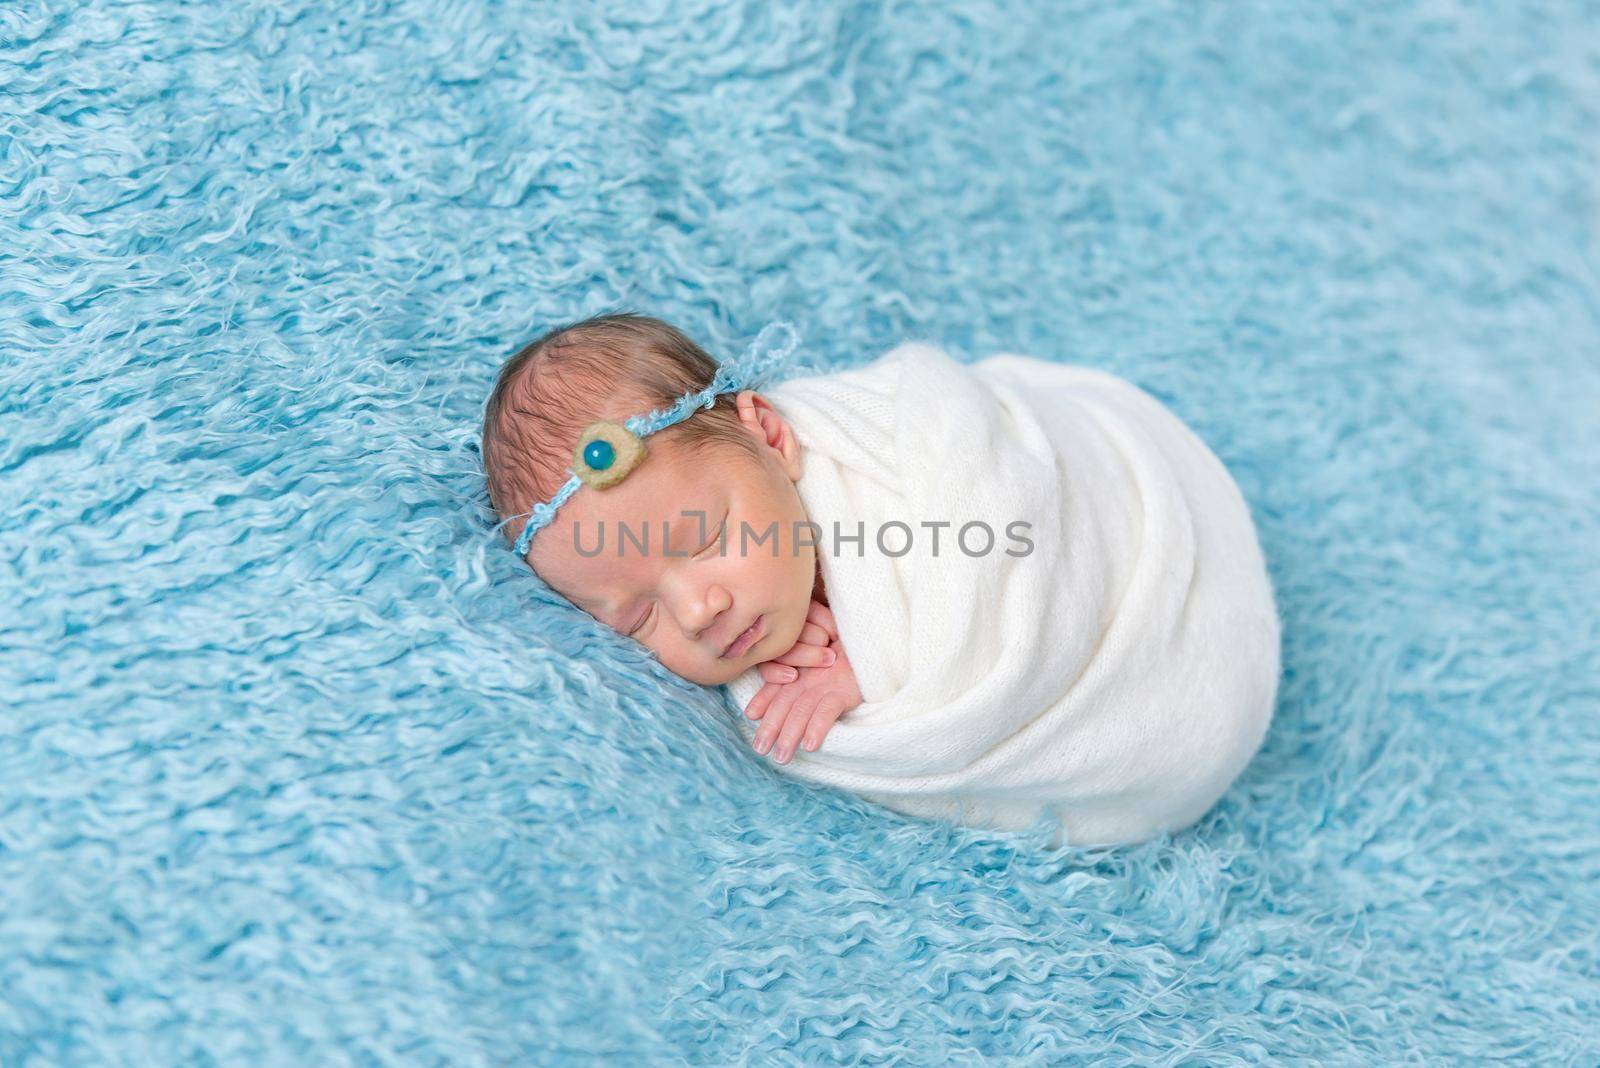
(832, 656)
(762, 744)
(788, 674)
(810, 746)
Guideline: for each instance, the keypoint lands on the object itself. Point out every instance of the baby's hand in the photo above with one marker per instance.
(811, 703)
(809, 650)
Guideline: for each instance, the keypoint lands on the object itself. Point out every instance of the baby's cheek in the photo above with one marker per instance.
(793, 624)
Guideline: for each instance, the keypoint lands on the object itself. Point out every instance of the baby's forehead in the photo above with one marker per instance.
(674, 487)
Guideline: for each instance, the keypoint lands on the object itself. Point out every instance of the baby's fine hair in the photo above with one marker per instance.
(609, 366)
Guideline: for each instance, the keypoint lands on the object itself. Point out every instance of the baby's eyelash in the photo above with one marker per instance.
(640, 625)
(717, 537)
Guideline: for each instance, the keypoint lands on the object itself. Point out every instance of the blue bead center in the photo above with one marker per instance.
(599, 454)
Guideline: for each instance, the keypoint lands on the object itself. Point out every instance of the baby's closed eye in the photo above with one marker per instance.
(705, 550)
(637, 627)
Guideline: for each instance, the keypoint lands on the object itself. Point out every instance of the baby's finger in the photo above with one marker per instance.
(774, 672)
(758, 704)
(822, 721)
(772, 722)
(793, 727)
(808, 656)
(811, 634)
(822, 616)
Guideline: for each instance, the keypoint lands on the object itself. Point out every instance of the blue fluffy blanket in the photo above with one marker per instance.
(299, 765)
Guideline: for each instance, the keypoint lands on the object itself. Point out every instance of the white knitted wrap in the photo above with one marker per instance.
(1123, 671)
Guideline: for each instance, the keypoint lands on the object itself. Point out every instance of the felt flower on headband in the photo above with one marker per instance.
(606, 452)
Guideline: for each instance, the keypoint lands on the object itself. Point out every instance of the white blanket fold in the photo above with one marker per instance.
(1119, 673)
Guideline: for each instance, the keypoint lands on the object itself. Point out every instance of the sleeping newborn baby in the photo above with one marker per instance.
(992, 593)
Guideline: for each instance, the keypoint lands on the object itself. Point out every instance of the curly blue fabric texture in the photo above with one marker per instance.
(298, 765)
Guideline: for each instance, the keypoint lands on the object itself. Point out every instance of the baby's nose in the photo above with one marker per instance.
(698, 609)
(706, 620)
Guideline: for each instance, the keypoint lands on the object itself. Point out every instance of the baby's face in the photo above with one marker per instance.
(686, 608)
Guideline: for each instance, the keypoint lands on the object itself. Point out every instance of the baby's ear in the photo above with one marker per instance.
(761, 418)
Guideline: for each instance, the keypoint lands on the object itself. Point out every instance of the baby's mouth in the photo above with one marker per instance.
(740, 645)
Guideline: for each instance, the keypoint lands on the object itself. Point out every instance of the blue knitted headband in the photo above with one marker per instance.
(606, 452)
